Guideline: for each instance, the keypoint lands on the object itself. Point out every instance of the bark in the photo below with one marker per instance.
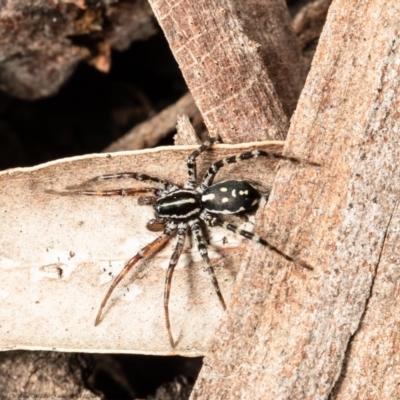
(309, 21)
(307, 24)
(238, 60)
(185, 132)
(42, 374)
(41, 44)
(290, 333)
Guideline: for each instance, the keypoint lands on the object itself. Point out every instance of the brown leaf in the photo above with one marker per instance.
(58, 255)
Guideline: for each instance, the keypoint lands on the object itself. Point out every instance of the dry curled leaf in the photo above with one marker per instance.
(58, 255)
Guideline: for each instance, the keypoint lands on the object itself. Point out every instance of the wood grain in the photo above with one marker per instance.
(289, 333)
(238, 60)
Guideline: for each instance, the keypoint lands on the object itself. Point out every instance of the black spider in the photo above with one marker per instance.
(178, 208)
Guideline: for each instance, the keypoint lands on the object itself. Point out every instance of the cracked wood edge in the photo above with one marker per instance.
(288, 331)
(224, 52)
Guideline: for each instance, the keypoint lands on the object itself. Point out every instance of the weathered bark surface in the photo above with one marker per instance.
(288, 330)
(372, 365)
(185, 133)
(39, 47)
(307, 24)
(236, 58)
(43, 375)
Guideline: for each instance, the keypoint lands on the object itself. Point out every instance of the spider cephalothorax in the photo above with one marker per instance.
(179, 208)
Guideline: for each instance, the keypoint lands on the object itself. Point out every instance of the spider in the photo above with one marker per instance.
(178, 209)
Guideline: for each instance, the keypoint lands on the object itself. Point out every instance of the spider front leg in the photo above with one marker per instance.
(191, 163)
(106, 192)
(214, 221)
(166, 185)
(212, 171)
(201, 245)
(80, 189)
(146, 251)
(182, 228)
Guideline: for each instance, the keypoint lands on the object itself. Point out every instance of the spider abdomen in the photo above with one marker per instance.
(230, 197)
(179, 205)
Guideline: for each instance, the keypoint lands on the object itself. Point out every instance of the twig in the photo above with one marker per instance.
(149, 133)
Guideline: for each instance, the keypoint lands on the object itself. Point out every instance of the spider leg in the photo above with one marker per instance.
(213, 221)
(147, 200)
(212, 171)
(182, 228)
(201, 245)
(105, 192)
(146, 251)
(191, 163)
(123, 175)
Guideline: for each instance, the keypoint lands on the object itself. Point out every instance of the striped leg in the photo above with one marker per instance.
(182, 228)
(201, 245)
(108, 192)
(212, 171)
(213, 221)
(146, 251)
(191, 163)
(166, 185)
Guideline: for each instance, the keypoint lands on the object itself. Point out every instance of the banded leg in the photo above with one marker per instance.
(201, 245)
(191, 163)
(182, 228)
(146, 251)
(107, 192)
(213, 221)
(166, 185)
(212, 171)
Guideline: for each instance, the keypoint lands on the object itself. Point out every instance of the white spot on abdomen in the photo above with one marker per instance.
(206, 197)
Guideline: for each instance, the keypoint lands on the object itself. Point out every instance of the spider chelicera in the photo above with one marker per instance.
(179, 208)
